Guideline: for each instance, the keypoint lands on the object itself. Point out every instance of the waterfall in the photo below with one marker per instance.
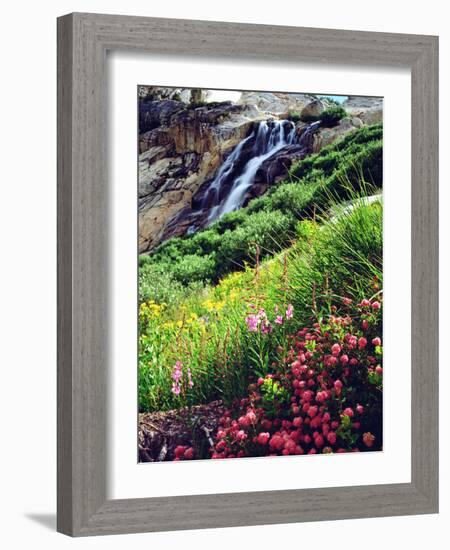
(268, 139)
(231, 186)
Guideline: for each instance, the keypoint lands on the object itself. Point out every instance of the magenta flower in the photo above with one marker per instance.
(290, 311)
(177, 376)
(189, 377)
(279, 320)
(252, 323)
(266, 327)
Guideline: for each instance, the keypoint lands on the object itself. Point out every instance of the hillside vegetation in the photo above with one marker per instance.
(301, 253)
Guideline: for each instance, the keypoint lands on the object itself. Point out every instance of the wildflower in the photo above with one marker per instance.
(290, 446)
(368, 439)
(349, 412)
(252, 322)
(378, 369)
(290, 311)
(319, 441)
(266, 327)
(365, 303)
(331, 436)
(279, 320)
(352, 341)
(243, 421)
(189, 376)
(332, 361)
(188, 454)
(376, 305)
(362, 343)
(335, 350)
(346, 301)
(365, 324)
(179, 451)
(276, 442)
(221, 445)
(338, 386)
(376, 341)
(177, 376)
(297, 422)
(359, 409)
(263, 438)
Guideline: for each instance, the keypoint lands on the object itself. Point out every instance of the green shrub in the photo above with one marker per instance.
(267, 231)
(194, 268)
(157, 283)
(332, 115)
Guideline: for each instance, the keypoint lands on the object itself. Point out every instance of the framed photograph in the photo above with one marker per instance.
(247, 274)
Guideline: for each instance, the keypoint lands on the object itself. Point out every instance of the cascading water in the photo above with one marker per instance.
(232, 185)
(269, 138)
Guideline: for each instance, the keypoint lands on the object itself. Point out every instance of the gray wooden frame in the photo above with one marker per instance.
(83, 40)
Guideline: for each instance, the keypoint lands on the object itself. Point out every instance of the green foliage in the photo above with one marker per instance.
(274, 396)
(269, 231)
(191, 268)
(332, 115)
(269, 222)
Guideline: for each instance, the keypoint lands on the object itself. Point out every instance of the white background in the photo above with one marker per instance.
(28, 302)
(130, 480)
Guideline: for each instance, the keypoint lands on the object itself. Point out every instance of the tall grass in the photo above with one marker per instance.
(204, 326)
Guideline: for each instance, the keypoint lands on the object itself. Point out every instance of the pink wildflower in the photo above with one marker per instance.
(362, 343)
(188, 454)
(290, 311)
(368, 439)
(263, 438)
(252, 323)
(335, 349)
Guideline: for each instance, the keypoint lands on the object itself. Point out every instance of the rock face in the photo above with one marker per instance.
(275, 103)
(182, 146)
(312, 110)
(368, 109)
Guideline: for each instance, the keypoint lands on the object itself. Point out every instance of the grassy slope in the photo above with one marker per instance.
(332, 175)
(195, 292)
(205, 328)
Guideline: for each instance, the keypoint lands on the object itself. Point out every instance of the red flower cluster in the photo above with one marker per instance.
(183, 452)
(326, 398)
